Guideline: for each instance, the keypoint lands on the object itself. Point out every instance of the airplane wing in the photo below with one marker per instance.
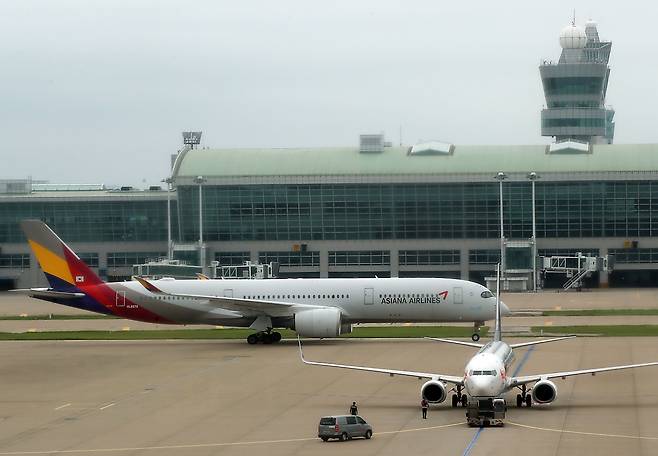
(245, 306)
(392, 372)
(537, 342)
(457, 342)
(535, 378)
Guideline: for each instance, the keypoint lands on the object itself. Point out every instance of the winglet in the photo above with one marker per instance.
(148, 285)
(498, 336)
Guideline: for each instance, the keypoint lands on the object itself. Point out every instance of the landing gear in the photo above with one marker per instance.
(265, 337)
(523, 398)
(459, 398)
(476, 330)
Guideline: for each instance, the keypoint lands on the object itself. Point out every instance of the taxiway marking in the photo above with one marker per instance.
(62, 406)
(210, 445)
(591, 434)
(112, 404)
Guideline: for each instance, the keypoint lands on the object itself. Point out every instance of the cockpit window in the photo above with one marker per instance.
(487, 294)
(483, 372)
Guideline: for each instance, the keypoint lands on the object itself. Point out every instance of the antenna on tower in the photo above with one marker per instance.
(573, 21)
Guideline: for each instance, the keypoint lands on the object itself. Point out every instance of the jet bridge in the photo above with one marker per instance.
(575, 268)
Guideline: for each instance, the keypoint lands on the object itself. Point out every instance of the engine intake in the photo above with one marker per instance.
(434, 392)
(544, 392)
(320, 323)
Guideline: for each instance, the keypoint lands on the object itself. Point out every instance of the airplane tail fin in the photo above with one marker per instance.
(64, 270)
(499, 329)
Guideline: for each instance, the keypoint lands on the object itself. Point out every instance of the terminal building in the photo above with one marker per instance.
(427, 210)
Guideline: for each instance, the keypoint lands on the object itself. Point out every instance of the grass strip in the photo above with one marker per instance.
(598, 312)
(603, 330)
(231, 333)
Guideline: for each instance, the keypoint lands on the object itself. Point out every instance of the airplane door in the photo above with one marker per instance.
(458, 295)
(228, 292)
(120, 299)
(368, 296)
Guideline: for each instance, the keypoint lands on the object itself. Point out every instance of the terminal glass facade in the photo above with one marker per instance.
(420, 211)
(89, 220)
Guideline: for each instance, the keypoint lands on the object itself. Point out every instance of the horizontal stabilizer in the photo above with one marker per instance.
(543, 341)
(48, 293)
(456, 342)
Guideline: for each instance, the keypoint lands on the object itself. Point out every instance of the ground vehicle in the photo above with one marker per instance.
(343, 427)
(486, 411)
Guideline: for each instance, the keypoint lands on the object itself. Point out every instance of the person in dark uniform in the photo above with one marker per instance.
(353, 409)
(424, 406)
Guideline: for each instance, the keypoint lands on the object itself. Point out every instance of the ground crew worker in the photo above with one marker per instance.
(424, 405)
(353, 409)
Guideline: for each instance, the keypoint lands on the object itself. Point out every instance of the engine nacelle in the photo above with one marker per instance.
(434, 392)
(318, 323)
(544, 392)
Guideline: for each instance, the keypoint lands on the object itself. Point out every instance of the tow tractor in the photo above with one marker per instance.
(487, 411)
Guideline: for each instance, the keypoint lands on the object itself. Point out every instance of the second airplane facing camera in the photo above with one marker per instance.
(312, 307)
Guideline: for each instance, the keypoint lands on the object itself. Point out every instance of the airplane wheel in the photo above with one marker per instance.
(252, 339)
(276, 336)
(268, 338)
(455, 400)
(519, 400)
(464, 400)
(528, 400)
(475, 337)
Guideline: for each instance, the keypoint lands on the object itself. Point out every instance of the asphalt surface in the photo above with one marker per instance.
(229, 398)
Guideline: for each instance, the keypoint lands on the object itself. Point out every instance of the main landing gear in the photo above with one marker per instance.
(523, 398)
(459, 398)
(476, 330)
(265, 337)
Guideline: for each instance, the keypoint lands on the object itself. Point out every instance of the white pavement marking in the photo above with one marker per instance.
(210, 445)
(108, 406)
(592, 434)
(62, 406)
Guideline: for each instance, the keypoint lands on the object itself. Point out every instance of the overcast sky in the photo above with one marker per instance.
(99, 91)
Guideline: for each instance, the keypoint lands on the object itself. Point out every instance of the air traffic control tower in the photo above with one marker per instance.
(575, 89)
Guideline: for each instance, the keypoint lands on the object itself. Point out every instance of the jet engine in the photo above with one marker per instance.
(434, 392)
(320, 323)
(544, 392)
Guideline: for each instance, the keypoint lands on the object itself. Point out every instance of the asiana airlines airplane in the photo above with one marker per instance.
(312, 307)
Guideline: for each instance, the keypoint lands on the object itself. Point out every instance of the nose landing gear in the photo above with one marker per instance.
(476, 330)
(265, 337)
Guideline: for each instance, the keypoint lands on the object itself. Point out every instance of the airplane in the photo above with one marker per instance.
(486, 378)
(312, 307)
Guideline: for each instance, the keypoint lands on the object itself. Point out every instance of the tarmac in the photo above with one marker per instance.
(229, 398)
(225, 397)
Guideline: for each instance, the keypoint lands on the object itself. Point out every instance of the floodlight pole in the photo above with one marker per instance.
(533, 176)
(202, 253)
(170, 249)
(501, 176)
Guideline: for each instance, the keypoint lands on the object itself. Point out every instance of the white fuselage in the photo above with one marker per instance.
(486, 372)
(360, 300)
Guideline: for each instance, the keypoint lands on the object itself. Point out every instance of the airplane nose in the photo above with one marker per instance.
(478, 387)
